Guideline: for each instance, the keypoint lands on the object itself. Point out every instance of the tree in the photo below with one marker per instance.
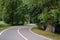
(48, 17)
(12, 12)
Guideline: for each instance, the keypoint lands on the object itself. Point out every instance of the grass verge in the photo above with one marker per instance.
(3, 25)
(2, 28)
(47, 34)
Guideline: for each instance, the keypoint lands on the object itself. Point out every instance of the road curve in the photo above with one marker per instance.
(11, 34)
(27, 33)
(20, 33)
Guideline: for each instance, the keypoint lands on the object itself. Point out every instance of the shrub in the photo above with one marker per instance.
(3, 24)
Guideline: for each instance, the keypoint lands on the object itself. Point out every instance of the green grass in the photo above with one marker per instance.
(3, 25)
(2, 28)
(47, 34)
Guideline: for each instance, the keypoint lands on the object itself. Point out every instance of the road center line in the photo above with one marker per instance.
(21, 35)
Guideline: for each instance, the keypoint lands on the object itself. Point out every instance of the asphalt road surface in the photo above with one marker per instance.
(20, 33)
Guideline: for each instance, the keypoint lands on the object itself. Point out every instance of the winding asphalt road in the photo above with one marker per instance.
(20, 33)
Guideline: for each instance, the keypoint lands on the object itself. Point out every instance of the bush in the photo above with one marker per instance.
(3, 24)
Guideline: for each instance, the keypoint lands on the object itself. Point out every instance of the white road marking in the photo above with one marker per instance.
(3, 31)
(39, 35)
(21, 35)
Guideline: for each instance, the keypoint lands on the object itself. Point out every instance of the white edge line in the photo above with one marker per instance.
(39, 35)
(5, 30)
(21, 35)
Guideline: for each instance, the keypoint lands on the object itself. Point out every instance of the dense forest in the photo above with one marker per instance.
(44, 13)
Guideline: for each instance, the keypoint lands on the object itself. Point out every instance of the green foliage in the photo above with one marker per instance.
(21, 12)
(50, 14)
(3, 24)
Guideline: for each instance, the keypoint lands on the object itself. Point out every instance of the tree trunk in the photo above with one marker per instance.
(29, 20)
(50, 28)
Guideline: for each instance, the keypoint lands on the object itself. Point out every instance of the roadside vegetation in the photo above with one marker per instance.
(44, 13)
(45, 33)
(3, 25)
